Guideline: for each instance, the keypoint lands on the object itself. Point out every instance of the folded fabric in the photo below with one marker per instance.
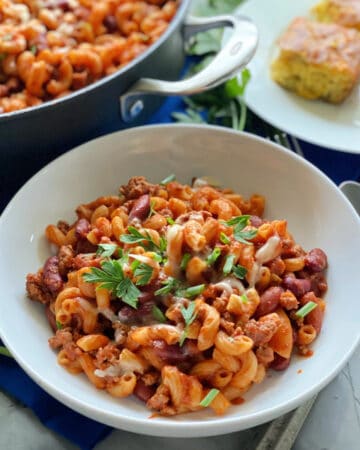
(80, 430)
(85, 432)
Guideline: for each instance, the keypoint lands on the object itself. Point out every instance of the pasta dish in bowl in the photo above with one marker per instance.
(194, 295)
(181, 295)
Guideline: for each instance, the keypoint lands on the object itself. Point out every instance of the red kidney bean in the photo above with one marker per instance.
(110, 23)
(51, 276)
(141, 208)
(316, 316)
(127, 314)
(269, 301)
(316, 260)
(279, 363)
(256, 221)
(82, 227)
(297, 286)
(145, 297)
(318, 284)
(144, 392)
(84, 246)
(51, 318)
(174, 354)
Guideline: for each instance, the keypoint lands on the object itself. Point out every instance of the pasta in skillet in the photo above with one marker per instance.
(182, 295)
(50, 48)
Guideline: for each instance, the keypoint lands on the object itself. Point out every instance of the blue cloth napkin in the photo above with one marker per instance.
(85, 432)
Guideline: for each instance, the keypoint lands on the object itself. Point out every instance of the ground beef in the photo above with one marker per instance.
(263, 330)
(66, 259)
(36, 288)
(136, 187)
(61, 338)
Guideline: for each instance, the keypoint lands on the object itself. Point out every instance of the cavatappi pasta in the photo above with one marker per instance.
(49, 48)
(182, 295)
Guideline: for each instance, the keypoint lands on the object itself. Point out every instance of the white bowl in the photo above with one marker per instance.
(318, 215)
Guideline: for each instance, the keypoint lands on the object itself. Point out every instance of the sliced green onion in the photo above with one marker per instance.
(58, 325)
(229, 262)
(158, 314)
(170, 221)
(209, 397)
(193, 291)
(5, 352)
(183, 337)
(168, 179)
(239, 271)
(224, 239)
(306, 309)
(244, 298)
(184, 262)
(211, 259)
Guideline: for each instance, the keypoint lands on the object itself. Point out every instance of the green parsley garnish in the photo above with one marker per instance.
(112, 278)
(189, 316)
(5, 352)
(211, 259)
(238, 220)
(239, 224)
(239, 271)
(170, 285)
(170, 221)
(185, 259)
(306, 309)
(158, 314)
(224, 239)
(145, 240)
(209, 397)
(58, 325)
(143, 274)
(168, 179)
(33, 49)
(106, 250)
(193, 291)
(229, 262)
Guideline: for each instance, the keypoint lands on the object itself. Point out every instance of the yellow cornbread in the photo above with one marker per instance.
(342, 12)
(318, 60)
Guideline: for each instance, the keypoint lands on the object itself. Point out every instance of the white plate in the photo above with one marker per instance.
(318, 215)
(333, 126)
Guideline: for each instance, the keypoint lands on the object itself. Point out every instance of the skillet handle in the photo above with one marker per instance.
(235, 54)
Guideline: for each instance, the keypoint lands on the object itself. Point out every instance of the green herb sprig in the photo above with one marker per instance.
(112, 278)
(239, 223)
(189, 316)
(145, 240)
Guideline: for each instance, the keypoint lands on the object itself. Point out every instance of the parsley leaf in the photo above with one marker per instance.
(189, 316)
(112, 278)
(244, 236)
(158, 314)
(143, 274)
(170, 285)
(239, 223)
(106, 250)
(145, 240)
(58, 325)
(128, 292)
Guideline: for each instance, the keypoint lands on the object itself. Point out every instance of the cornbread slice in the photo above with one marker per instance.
(318, 60)
(342, 12)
